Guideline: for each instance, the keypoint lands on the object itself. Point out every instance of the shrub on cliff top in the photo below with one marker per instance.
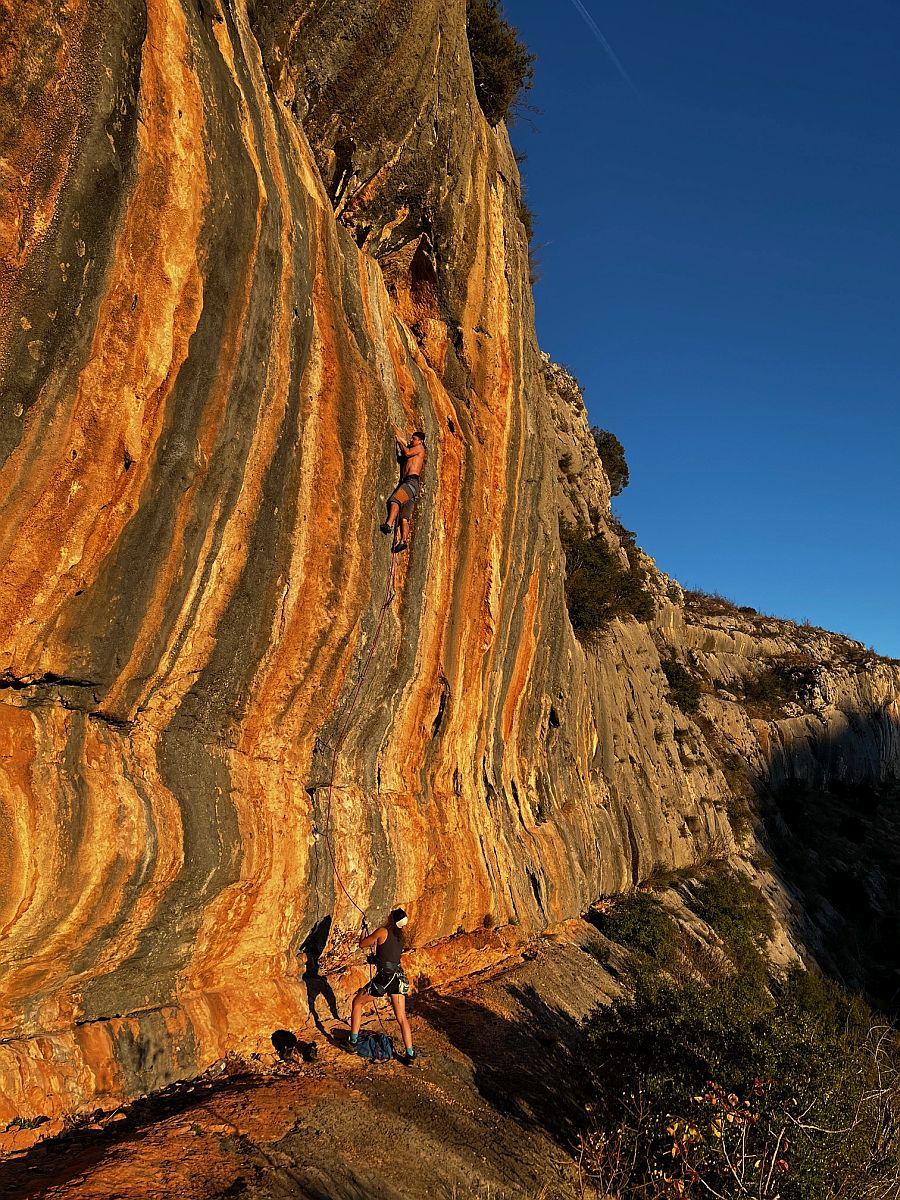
(714, 604)
(612, 455)
(598, 587)
(502, 64)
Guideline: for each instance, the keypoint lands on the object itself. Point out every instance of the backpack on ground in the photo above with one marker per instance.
(377, 1047)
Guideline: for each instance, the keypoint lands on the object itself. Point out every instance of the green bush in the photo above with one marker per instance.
(598, 587)
(501, 63)
(734, 1092)
(740, 815)
(739, 914)
(612, 455)
(788, 679)
(714, 604)
(639, 922)
(685, 689)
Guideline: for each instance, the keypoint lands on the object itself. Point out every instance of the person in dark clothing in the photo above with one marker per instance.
(388, 980)
(411, 456)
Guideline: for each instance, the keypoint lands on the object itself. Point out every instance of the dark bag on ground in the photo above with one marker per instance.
(377, 1047)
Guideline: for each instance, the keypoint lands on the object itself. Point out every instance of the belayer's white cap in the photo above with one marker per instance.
(401, 922)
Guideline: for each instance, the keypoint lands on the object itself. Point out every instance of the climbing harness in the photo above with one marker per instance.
(383, 981)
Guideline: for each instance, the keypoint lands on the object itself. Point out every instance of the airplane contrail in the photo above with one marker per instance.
(610, 53)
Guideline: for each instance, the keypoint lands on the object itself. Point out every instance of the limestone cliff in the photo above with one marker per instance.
(237, 240)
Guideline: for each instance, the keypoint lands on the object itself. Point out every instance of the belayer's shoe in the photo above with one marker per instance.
(385, 528)
(408, 1057)
(400, 547)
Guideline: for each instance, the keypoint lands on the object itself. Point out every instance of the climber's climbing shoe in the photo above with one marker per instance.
(400, 547)
(385, 528)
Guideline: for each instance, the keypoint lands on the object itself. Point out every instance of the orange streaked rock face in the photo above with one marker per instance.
(234, 248)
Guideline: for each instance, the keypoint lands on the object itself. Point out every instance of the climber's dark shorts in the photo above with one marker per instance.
(406, 494)
(389, 980)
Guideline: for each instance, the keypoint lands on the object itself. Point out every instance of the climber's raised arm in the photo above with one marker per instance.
(400, 436)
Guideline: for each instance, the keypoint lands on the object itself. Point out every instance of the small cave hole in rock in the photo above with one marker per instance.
(423, 277)
(536, 888)
(554, 718)
(442, 705)
(450, 425)
(344, 149)
(128, 461)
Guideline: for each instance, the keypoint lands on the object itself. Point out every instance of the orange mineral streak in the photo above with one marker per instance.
(77, 483)
(524, 660)
(18, 825)
(97, 1051)
(490, 498)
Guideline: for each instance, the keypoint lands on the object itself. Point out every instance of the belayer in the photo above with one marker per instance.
(388, 980)
(411, 457)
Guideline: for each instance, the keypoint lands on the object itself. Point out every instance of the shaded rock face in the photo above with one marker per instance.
(235, 245)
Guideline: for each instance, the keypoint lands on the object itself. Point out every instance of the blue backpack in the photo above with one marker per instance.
(377, 1047)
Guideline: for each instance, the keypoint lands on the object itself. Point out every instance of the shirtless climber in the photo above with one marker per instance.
(388, 980)
(411, 456)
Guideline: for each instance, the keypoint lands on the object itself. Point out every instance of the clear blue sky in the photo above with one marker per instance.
(719, 259)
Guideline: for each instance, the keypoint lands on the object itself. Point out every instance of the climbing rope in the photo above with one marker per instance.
(342, 733)
(345, 728)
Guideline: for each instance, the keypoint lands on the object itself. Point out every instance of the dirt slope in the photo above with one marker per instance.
(491, 1109)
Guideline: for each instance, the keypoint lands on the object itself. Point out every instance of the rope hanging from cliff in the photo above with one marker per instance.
(345, 727)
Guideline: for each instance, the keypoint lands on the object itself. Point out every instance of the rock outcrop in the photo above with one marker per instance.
(236, 241)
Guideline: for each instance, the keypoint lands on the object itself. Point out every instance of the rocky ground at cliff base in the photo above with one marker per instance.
(492, 1109)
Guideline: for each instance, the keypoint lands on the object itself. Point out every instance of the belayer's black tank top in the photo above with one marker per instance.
(391, 948)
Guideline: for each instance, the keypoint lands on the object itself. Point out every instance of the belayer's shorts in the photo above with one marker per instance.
(406, 494)
(389, 980)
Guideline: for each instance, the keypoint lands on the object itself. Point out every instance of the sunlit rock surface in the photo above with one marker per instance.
(234, 245)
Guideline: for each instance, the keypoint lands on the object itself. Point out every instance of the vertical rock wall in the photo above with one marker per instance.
(233, 246)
